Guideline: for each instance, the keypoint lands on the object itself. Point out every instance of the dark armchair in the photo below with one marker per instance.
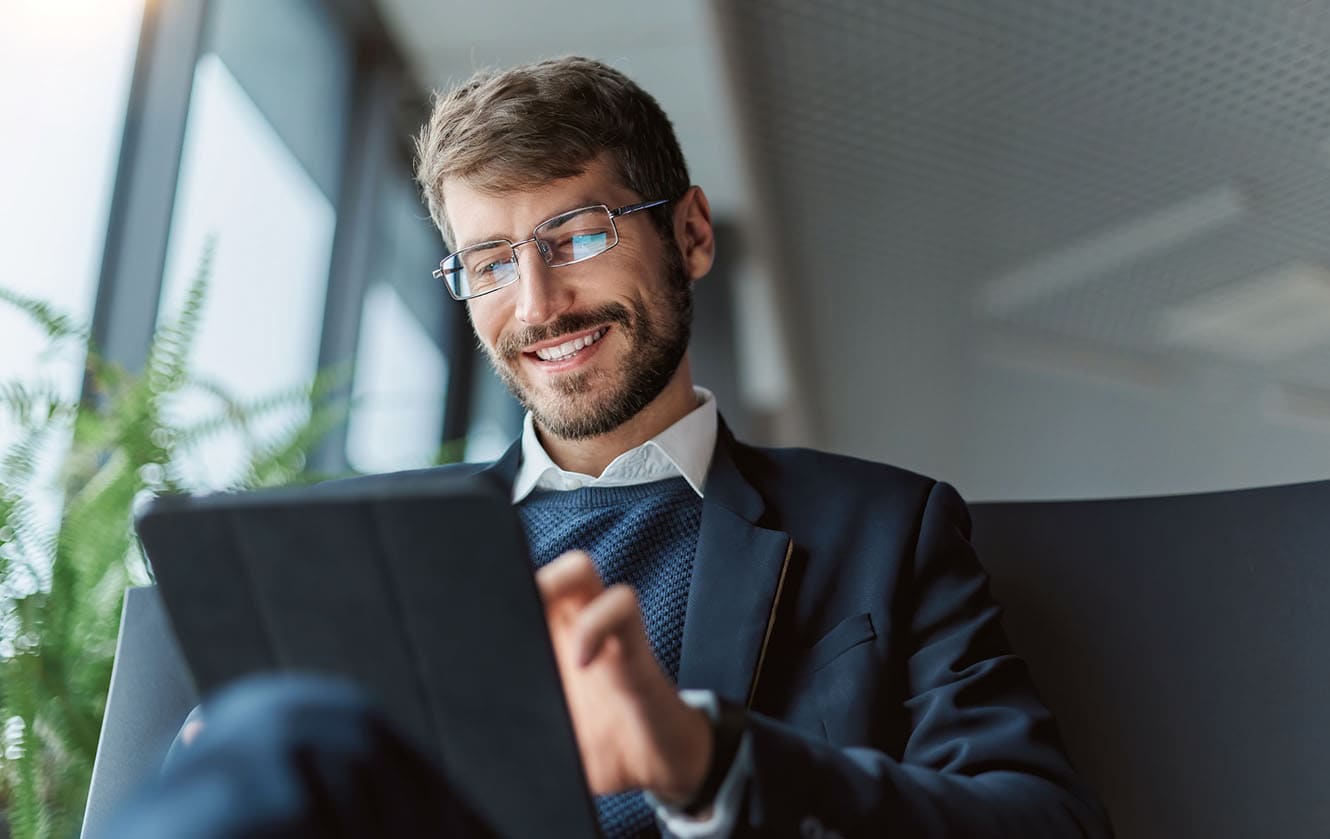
(1182, 642)
(1184, 645)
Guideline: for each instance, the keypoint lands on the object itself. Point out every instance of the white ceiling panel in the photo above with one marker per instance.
(1066, 169)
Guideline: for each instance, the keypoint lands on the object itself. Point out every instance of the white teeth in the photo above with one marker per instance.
(568, 348)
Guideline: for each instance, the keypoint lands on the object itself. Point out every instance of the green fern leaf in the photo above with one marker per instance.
(57, 325)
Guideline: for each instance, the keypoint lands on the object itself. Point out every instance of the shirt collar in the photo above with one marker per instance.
(684, 449)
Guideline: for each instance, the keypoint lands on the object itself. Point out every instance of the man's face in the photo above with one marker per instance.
(627, 311)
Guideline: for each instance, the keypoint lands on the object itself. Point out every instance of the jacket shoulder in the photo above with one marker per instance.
(820, 470)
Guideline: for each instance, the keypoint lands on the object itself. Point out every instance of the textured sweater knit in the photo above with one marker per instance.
(643, 535)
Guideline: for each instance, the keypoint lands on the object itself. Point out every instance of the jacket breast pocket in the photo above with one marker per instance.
(844, 636)
(846, 669)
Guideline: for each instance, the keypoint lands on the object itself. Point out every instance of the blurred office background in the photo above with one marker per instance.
(1040, 249)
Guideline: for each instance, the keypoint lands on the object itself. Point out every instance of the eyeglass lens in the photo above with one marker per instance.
(575, 236)
(562, 240)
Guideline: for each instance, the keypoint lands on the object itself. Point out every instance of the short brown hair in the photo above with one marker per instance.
(540, 122)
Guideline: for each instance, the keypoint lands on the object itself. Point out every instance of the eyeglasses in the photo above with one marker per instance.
(568, 238)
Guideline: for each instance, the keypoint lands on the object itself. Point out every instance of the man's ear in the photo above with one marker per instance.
(693, 232)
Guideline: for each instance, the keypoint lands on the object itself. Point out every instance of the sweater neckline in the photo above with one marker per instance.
(611, 496)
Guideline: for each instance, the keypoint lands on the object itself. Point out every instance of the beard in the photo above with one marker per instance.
(588, 403)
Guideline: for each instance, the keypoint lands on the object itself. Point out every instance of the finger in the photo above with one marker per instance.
(614, 614)
(570, 575)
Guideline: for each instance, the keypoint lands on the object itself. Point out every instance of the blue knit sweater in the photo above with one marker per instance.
(643, 535)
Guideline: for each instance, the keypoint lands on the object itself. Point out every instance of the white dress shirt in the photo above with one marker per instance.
(684, 449)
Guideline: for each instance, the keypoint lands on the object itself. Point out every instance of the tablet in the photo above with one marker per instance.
(419, 589)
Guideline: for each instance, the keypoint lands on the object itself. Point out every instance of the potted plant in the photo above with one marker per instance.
(62, 582)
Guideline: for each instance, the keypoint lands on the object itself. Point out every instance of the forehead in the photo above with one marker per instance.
(476, 214)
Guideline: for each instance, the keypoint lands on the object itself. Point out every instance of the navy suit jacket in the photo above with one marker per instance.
(841, 602)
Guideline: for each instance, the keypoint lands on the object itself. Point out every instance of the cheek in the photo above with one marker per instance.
(487, 320)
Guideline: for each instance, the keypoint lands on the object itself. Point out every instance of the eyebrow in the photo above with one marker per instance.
(582, 202)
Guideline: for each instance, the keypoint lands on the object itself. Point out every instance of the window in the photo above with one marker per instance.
(401, 377)
(259, 180)
(271, 226)
(65, 72)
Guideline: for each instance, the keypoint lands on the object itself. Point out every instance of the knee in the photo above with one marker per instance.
(290, 756)
(286, 714)
(289, 699)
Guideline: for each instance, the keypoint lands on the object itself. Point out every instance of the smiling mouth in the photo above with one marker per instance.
(569, 350)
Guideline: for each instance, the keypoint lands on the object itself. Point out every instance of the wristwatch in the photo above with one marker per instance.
(728, 722)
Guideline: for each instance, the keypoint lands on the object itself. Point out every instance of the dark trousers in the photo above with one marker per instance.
(296, 757)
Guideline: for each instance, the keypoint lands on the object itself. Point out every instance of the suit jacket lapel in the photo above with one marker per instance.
(738, 572)
(503, 472)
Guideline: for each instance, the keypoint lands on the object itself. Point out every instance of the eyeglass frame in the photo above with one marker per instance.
(627, 209)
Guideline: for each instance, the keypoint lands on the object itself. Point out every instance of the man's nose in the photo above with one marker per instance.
(541, 296)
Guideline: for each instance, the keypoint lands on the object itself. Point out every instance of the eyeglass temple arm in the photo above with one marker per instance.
(632, 208)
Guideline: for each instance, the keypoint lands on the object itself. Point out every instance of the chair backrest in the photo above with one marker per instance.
(1182, 643)
(1180, 640)
(151, 694)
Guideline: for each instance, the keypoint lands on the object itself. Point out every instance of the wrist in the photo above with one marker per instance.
(687, 756)
(691, 794)
(728, 724)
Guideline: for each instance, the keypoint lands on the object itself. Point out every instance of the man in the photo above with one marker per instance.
(752, 641)
(835, 602)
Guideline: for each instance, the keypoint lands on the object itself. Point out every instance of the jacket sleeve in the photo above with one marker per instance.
(982, 757)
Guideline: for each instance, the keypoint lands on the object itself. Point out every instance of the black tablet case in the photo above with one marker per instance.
(419, 590)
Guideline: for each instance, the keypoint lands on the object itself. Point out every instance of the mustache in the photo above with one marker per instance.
(510, 346)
